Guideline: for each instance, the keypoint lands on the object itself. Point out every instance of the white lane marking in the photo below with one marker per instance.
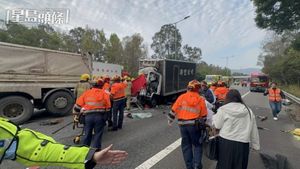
(245, 94)
(166, 151)
(159, 156)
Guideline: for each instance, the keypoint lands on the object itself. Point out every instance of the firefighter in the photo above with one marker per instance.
(275, 99)
(128, 91)
(83, 85)
(106, 87)
(191, 111)
(220, 93)
(32, 148)
(118, 96)
(94, 103)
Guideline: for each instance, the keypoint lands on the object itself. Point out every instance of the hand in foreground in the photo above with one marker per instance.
(109, 157)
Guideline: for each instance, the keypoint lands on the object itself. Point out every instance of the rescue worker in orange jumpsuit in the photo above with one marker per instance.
(106, 88)
(191, 112)
(94, 104)
(119, 100)
(220, 93)
(275, 99)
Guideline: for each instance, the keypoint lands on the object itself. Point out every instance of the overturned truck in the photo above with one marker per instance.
(33, 77)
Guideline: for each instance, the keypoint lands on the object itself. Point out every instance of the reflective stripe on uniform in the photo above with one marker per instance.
(183, 122)
(189, 109)
(95, 111)
(99, 104)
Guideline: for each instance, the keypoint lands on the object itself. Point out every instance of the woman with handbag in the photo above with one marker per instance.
(238, 132)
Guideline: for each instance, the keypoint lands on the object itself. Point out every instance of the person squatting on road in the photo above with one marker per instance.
(31, 148)
(238, 132)
(275, 99)
(118, 96)
(82, 86)
(190, 110)
(94, 103)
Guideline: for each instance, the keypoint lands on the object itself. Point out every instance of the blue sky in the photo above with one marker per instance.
(220, 28)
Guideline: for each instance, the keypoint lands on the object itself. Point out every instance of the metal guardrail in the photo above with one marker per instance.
(294, 98)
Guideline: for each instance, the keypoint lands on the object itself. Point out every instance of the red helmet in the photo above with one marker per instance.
(99, 83)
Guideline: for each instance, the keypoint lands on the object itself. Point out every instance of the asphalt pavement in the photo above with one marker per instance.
(151, 142)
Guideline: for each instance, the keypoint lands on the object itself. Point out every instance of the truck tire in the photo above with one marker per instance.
(59, 103)
(16, 108)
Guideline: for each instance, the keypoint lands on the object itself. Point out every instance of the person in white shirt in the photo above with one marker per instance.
(238, 132)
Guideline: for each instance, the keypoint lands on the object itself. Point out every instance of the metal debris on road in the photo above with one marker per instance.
(262, 128)
(262, 118)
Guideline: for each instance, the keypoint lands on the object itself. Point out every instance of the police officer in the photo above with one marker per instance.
(190, 110)
(118, 96)
(94, 104)
(82, 86)
(32, 148)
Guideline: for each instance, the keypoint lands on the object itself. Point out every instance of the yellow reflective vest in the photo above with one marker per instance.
(37, 149)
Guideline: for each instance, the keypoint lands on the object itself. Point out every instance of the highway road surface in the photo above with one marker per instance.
(151, 143)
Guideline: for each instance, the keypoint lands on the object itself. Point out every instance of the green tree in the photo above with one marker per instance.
(192, 53)
(113, 50)
(134, 49)
(277, 15)
(167, 43)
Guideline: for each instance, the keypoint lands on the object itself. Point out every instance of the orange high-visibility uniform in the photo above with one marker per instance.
(93, 100)
(118, 90)
(189, 106)
(221, 93)
(274, 95)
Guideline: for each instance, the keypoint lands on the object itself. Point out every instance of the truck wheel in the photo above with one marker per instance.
(59, 103)
(16, 108)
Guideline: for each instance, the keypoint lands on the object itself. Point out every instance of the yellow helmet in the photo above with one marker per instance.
(85, 77)
(194, 84)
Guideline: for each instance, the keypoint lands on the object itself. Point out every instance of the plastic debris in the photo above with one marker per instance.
(141, 115)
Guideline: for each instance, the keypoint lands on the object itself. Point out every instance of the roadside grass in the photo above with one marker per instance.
(292, 89)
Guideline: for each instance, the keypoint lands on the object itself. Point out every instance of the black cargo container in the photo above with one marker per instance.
(166, 79)
(175, 75)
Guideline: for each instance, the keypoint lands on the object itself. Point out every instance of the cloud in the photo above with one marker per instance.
(220, 27)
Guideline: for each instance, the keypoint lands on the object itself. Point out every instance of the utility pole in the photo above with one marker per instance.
(175, 35)
(227, 60)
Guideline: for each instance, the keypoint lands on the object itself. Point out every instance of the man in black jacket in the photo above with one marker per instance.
(207, 93)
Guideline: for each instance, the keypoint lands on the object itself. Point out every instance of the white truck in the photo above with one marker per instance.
(103, 69)
(33, 77)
